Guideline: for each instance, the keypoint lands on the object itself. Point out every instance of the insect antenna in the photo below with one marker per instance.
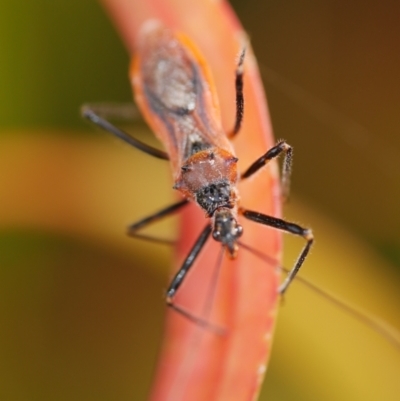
(213, 285)
(385, 330)
(198, 320)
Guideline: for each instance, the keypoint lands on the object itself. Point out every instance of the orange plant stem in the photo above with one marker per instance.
(194, 364)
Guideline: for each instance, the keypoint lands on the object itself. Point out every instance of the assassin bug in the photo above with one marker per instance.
(174, 91)
(235, 363)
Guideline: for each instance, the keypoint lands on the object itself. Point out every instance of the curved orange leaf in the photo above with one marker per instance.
(194, 364)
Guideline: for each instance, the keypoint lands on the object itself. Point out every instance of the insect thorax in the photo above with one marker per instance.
(209, 177)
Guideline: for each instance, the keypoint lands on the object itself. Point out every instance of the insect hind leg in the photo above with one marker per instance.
(100, 114)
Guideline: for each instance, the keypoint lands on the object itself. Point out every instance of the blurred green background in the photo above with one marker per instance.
(81, 305)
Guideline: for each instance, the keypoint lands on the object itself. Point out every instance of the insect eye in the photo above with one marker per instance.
(239, 231)
(216, 235)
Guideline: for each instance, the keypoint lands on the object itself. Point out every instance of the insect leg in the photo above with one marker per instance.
(180, 276)
(98, 115)
(133, 228)
(290, 228)
(115, 111)
(239, 95)
(273, 153)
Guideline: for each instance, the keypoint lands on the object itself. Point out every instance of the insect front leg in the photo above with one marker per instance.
(288, 227)
(180, 276)
(271, 154)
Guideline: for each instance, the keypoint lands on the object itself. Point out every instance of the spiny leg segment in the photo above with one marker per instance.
(239, 95)
(271, 154)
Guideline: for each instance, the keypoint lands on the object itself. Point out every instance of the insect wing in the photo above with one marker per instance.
(175, 92)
